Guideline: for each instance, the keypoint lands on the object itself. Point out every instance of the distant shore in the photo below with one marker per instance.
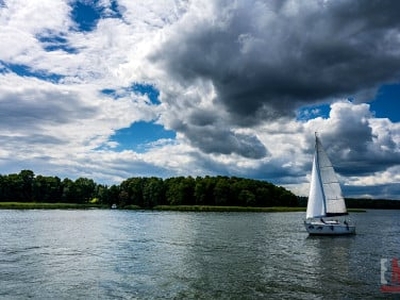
(228, 208)
(237, 208)
(40, 205)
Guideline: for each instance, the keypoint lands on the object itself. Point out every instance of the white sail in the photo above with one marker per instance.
(315, 205)
(334, 200)
(325, 198)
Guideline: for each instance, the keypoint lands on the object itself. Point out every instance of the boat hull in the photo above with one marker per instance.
(319, 228)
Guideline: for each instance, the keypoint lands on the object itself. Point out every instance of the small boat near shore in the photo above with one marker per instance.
(326, 209)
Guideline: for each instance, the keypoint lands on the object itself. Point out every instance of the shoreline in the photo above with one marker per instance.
(210, 208)
(196, 208)
(43, 205)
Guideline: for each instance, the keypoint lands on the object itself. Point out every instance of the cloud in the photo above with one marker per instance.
(265, 60)
(21, 21)
(41, 106)
(360, 143)
(226, 142)
(364, 149)
(229, 77)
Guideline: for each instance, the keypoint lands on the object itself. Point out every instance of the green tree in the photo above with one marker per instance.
(113, 195)
(247, 198)
(134, 189)
(84, 189)
(180, 190)
(263, 196)
(47, 189)
(69, 194)
(204, 190)
(14, 188)
(222, 191)
(26, 179)
(102, 193)
(153, 192)
(123, 198)
(148, 192)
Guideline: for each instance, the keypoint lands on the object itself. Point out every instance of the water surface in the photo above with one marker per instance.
(116, 254)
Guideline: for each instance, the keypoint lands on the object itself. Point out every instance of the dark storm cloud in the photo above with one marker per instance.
(207, 131)
(224, 141)
(30, 110)
(265, 59)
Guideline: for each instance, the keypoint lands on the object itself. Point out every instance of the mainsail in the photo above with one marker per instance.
(325, 198)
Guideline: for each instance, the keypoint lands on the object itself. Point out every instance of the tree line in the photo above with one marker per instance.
(372, 203)
(145, 192)
(362, 203)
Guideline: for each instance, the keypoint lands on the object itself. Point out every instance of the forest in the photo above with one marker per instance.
(148, 192)
(145, 192)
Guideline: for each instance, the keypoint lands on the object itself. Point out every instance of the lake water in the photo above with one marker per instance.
(116, 254)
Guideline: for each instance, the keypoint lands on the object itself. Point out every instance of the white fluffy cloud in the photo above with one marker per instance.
(231, 77)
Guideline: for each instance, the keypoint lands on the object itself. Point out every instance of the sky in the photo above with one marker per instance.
(113, 89)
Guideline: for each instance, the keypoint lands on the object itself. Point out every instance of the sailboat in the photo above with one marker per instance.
(326, 209)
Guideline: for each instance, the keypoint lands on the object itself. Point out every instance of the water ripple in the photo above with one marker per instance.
(169, 255)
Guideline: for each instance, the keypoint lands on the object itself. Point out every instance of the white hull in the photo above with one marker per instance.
(331, 228)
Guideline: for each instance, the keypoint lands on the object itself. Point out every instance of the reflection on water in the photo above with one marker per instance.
(117, 254)
(330, 262)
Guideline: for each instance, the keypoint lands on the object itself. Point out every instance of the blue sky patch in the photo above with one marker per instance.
(142, 89)
(85, 15)
(111, 93)
(26, 71)
(139, 135)
(149, 90)
(386, 102)
(113, 10)
(306, 113)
